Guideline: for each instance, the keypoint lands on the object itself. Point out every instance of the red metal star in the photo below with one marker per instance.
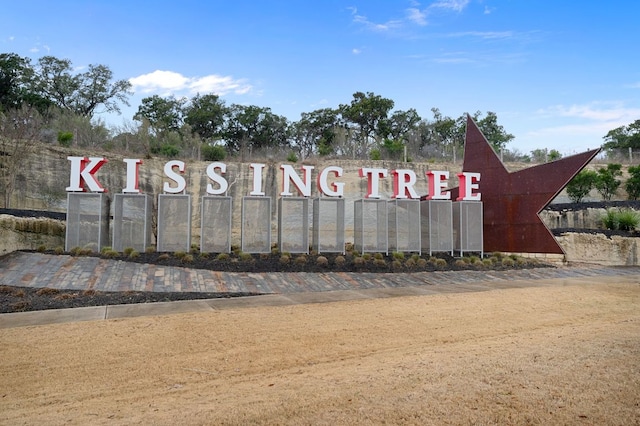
(512, 201)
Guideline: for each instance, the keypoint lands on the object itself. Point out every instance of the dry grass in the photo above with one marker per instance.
(564, 354)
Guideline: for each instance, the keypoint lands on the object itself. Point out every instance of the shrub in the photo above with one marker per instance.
(222, 256)
(487, 262)
(322, 261)
(110, 254)
(180, 254)
(378, 256)
(410, 263)
(42, 248)
(624, 220)
(375, 154)
(213, 152)
(203, 255)
(246, 257)
(339, 260)
(422, 263)
(65, 138)
(285, 259)
(380, 263)
(398, 255)
(58, 250)
(164, 256)
(440, 263)
(358, 261)
(187, 258)
(580, 186)
(150, 249)
(301, 259)
(134, 254)
(127, 251)
(606, 182)
(461, 263)
(366, 256)
(292, 157)
(396, 264)
(508, 262)
(632, 185)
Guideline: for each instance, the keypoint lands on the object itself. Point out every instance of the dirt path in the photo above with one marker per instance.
(566, 354)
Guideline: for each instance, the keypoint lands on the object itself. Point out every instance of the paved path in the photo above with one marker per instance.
(81, 273)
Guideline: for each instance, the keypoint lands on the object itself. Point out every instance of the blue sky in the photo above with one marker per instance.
(559, 74)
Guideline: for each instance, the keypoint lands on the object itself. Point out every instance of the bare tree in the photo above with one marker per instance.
(19, 131)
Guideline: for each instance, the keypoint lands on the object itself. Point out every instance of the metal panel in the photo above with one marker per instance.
(132, 221)
(256, 224)
(404, 225)
(328, 225)
(174, 222)
(293, 224)
(467, 227)
(371, 226)
(87, 221)
(436, 224)
(215, 224)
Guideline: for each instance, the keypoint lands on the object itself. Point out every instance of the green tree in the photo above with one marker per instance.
(495, 133)
(249, 128)
(206, 116)
(315, 132)
(368, 112)
(607, 183)
(163, 114)
(623, 138)
(81, 93)
(581, 184)
(632, 185)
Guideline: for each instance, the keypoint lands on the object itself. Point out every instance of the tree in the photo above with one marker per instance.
(369, 113)
(206, 115)
(581, 184)
(544, 155)
(163, 114)
(495, 133)
(623, 137)
(606, 182)
(632, 185)
(250, 128)
(79, 93)
(315, 132)
(19, 131)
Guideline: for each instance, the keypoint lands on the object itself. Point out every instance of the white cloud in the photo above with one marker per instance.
(170, 82)
(485, 35)
(456, 5)
(635, 85)
(356, 51)
(609, 112)
(416, 16)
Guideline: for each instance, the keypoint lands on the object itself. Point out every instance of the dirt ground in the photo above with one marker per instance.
(563, 354)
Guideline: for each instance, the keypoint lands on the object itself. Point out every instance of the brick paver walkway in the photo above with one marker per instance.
(81, 273)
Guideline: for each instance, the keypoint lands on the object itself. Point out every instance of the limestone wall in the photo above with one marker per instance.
(599, 249)
(28, 233)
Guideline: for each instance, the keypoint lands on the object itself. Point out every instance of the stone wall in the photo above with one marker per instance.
(21, 233)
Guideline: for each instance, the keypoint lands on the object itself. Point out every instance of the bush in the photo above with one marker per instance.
(292, 157)
(213, 153)
(607, 183)
(375, 154)
(580, 186)
(632, 186)
(65, 138)
(134, 254)
(222, 256)
(322, 261)
(340, 260)
(623, 220)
